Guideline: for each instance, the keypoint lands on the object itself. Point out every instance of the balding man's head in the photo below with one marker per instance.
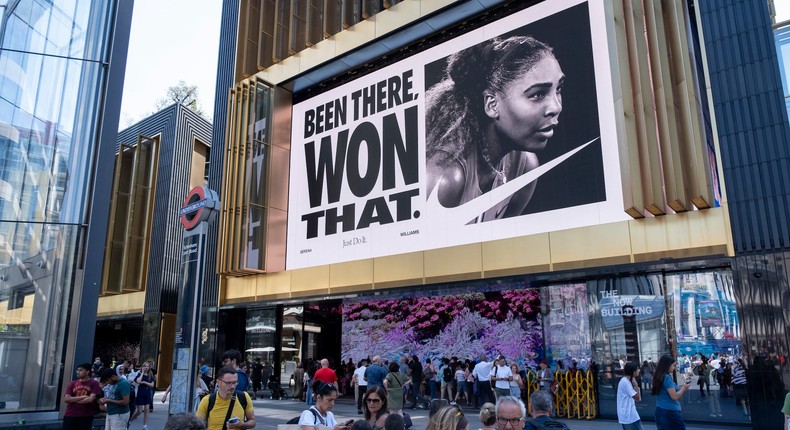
(324, 363)
(377, 359)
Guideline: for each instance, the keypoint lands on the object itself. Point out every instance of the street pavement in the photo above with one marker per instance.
(270, 413)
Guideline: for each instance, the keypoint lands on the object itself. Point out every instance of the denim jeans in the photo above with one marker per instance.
(667, 419)
(636, 425)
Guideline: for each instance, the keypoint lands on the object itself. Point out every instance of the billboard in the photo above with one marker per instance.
(507, 130)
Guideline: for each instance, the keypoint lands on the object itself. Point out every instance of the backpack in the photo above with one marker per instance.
(447, 374)
(213, 399)
(295, 420)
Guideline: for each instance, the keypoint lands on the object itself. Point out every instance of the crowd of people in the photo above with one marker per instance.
(383, 389)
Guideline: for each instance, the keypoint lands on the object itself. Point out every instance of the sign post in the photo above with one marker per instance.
(200, 206)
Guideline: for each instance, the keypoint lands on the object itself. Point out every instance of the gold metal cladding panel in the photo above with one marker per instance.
(241, 288)
(644, 108)
(393, 269)
(398, 16)
(222, 242)
(631, 179)
(697, 165)
(454, 263)
(121, 304)
(357, 275)
(665, 107)
(690, 234)
(520, 253)
(312, 279)
(276, 235)
(693, 229)
(591, 243)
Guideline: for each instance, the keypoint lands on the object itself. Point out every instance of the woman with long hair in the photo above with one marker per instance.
(498, 105)
(668, 415)
(376, 407)
(145, 385)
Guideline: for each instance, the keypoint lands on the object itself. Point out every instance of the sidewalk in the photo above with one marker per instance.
(270, 413)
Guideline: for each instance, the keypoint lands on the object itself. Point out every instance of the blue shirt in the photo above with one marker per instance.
(122, 388)
(243, 383)
(664, 401)
(375, 375)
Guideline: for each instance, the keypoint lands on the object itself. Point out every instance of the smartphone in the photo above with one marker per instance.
(233, 420)
(349, 423)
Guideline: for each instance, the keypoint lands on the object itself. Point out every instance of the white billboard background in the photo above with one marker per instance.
(428, 225)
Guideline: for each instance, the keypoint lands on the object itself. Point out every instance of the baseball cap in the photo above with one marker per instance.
(204, 369)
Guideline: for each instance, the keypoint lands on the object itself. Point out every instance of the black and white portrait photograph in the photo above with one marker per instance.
(510, 104)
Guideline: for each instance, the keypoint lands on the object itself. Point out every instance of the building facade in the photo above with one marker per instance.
(158, 161)
(61, 72)
(644, 214)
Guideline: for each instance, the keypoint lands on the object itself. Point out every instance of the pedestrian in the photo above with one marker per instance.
(516, 384)
(361, 385)
(739, 386)
(184, 421)
(628, 393)
(326, 374)
(116, 401)
(511, 412)
(482, 374)
(501, 377)
(488, 416)
(393, 383)
(232, 358)
(375, 373)
(376, 407)
(668, 415)
(257, 376)
(228, 407)
(80, 395)
(786, 411)
(446, 380)
(460, 382)
(448, 418)
(321, 413)
(145, 384)
(394, 422)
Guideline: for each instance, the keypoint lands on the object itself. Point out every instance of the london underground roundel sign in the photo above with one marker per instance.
(200, 205)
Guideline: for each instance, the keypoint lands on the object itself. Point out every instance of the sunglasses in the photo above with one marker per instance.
(374, 401)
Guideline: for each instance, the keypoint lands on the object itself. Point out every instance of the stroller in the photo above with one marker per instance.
(278, 393)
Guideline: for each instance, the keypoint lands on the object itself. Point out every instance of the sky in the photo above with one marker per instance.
(171, 41)
(174, 40)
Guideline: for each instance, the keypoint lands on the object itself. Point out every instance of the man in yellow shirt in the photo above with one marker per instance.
(227, 409)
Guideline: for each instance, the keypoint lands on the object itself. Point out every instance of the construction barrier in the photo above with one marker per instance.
(574, 396)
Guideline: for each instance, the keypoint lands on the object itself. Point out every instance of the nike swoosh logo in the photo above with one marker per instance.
(460, 215)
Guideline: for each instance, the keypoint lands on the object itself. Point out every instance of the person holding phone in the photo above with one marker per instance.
(668, 415)
(320, 416)
(226, 409)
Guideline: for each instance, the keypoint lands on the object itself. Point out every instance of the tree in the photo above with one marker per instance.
(182, 93)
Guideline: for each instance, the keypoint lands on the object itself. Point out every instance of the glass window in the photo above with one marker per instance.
(260, 341)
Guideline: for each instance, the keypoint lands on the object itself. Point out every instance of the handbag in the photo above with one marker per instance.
(407, 423)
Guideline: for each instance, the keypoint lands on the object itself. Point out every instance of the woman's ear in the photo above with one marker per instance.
(490, 105)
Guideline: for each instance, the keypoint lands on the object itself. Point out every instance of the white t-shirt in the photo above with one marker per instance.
(501, 372)
(460, 375)
(360, 374)
(626, 407)
(482, 371)
(308, 418)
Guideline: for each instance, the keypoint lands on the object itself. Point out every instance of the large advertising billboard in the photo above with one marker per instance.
(507, 130)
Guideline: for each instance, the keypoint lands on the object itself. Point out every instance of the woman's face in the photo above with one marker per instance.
(529, 106)
(327, 401)
(514, 368)
(374, 403)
